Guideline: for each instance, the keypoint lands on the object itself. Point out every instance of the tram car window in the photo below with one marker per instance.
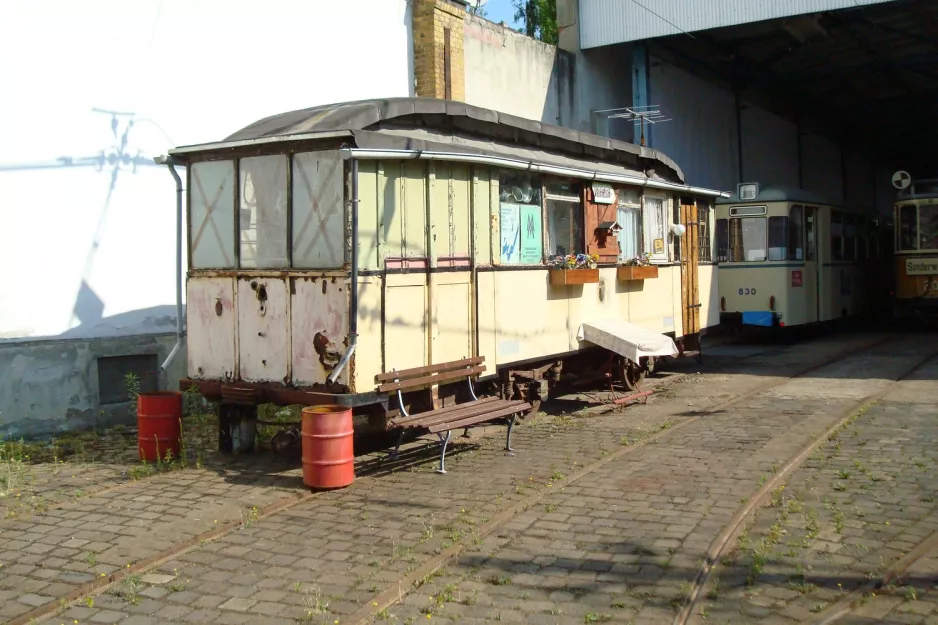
(837, 235)
(703, 235)
(810, 221)
(915, 264)
(796, 233)
(564, 219)
(778, 238)
(908, 225)
(656, 225)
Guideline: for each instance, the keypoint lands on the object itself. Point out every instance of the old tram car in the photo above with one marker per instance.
(788, 257)
(916, 248)
(337, 250)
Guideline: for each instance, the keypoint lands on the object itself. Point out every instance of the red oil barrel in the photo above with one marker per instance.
(158, 424)
(328, 455)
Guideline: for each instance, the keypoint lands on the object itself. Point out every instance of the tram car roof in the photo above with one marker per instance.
(925, 189)
(779, 193)
(432, 125)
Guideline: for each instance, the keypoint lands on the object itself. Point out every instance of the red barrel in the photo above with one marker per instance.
(158, 424)
(328, 454)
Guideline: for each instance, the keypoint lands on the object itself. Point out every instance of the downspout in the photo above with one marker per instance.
(170, 164)
(353, 293)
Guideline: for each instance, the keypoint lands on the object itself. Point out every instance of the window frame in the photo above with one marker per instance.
(576, 211)
(919, 231)
(704, 234)
(537, 185)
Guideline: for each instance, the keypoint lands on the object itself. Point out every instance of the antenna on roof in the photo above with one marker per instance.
(650, 113)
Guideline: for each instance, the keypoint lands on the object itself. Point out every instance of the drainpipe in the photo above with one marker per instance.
(168, 161)
(353, 295)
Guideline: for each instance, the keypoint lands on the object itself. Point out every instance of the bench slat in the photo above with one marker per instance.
(472, 409)
(448, 410)
(404, 374)
(430, 379)
(489, 416)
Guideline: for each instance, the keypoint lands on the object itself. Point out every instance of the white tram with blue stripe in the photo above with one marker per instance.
(788, 257)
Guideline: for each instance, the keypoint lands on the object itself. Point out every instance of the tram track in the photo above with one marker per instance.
(395, 593)
(396, 590)
(737, 524)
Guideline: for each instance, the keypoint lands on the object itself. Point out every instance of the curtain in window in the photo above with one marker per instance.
(629, 242)
(654, 219)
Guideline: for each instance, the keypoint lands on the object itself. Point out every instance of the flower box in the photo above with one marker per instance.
(566, 277)
(636, 272)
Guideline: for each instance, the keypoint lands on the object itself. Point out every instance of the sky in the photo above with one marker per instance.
(500, 11)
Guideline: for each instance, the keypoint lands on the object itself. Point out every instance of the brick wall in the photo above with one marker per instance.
(432, 18)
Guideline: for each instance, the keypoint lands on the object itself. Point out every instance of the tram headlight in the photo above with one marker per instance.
(772, 303)
(723, 304)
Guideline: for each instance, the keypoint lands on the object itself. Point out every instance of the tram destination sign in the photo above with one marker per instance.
(921, 266)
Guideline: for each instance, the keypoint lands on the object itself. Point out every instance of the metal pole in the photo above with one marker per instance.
(353, 289)
(168, 161)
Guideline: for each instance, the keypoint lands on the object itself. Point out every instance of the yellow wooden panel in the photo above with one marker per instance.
(481, 208)
(452, 336)
(390, 226)
(367, 360)
(368, 215)
(405, 321)
(413, 208)
(709, 296)
(439, 209)
(460, 187)
(487, 316)
(531, 318)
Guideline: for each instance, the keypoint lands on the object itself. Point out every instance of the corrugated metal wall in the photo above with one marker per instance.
(702, 134)
(604, 22)
(860, 183)
(822, 169)
(770, 147)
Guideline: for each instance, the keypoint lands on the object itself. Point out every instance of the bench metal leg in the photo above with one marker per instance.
(445, 441)
(465, 433)
(511, 424)
(400, 439)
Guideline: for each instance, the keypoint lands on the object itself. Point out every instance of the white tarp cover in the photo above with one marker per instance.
(626, 339)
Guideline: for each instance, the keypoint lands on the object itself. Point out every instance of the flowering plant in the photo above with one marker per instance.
(574, 261)
(640, 260)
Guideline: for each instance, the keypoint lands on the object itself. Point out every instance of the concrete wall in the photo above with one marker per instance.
(53, 386)
(95, 242)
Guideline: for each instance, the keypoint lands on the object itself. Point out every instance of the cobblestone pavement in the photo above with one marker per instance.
(625, 543)
(860, 503)
(622, 541)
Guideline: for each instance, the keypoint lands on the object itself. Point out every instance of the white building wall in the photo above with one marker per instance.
(189, 72)
(769, 147)
(701, 136)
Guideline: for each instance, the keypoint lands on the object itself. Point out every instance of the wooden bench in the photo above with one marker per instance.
(443, 420)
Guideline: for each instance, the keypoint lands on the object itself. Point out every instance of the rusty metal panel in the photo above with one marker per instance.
(263, 329)
(210, 323)
(319, 328)
(211, 214)
(318, 210)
